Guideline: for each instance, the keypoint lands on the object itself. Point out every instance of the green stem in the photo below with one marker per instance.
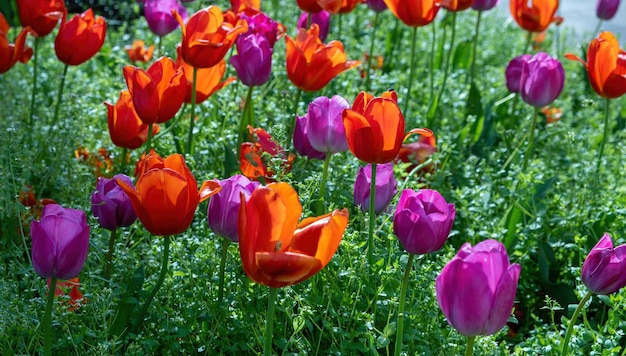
(597, 29)
(371, 52)
(34, 93)
(293, 122)
(411, 72)
(435, 104)
(605, 135)
(149, 141)
(475, 46)
(405, 282)
(432, 61)
(155, 288)
(107, 266)
(159, 45)
(122, 167)
(193, 113)
(469, 349)
(529, 39)
(247, 118)
(47, 318)
(269, 322)
(60, 95)
(531, 139)
(372, 215)
(415, 170)
(329, 155)
(572, 321)
(220, 291)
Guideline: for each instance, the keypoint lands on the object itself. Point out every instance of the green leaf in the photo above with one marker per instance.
(513, 218)
(462, 58)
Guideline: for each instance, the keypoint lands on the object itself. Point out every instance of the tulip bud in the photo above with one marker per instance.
(326, 131)
(423, 220)
(377, 5)
(60, 242)
(253, 61)
(159, 16)
(606, 9)
(542, 80)
(322, 19)
(513, 72)
(111, 205)
(386, 187)
(603, 269)
(301, 141)
(476, 289)
(223, 211)
(482, 5)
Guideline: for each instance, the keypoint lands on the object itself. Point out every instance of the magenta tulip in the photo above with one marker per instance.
(253, 61)
(261, 24)
(513, 72)
(377, 5)
(483, 5)
(603, 269)
(223, 211)
(542, 80)
(159, 16)
(386, 187)
(322, 19)
(325, 124)
(606, 9)
(301, 141)
(111, 205)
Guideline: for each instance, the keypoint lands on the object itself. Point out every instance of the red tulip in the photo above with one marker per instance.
(80, 38)
(41, 15)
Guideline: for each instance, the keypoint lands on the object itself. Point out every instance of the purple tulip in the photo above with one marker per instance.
(514, 72)
(423, 220)
(482, 5)
(253, 61)
(60, 242)
(223, 211)
(261, 24)
(111, 205)
(322, 19)
(606, 9)
(158, 14)
(386, 187)
(476, 289)
(542, 80)
(377, 5)
(603, 269)
(325, 124)
(301, 140)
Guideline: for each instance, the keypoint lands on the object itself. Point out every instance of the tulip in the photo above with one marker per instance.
(603, 269)
(208, 80)
(423, 220)
(157, 93)
(208, 36)
(542, 80)
(138, 52)
(301, 140)
(80, 38)
(111, 205)
(275, 249)
(166, 194)
(69, 289)
(513, 72)
(322, 19)
(12, 53)
(606, 9)
(312, 64)
(456, 5)
(261, 24)
(252, 162)
(41, 15)
(484, 5)
(125, 127)
(386, 187)
(476, 289)
(419, 152)
(326, 131)
(338, 6)
(223, 211)
(414, 13)
(60, 242)
(605, 66)
(159, 16)
(534, 18)
(377, 5)
(253, 61)
(310, 6)
(245, 6)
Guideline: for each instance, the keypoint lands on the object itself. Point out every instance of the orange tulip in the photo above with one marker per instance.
(456, 5)
(249, 7)
(208, 80)
(69, 288)
(138, 52)
(606, 66)
(311, 64)
(277, 251)
(125, 127)
(374, 127)
(418, 152)
(310, 6)
(157, 93)
(338, 6)
(11, 53)
(208, 35)
(80, 38)
(537, 17)
(166, 195)
(414, 13)
(41, 15)
(252, 163)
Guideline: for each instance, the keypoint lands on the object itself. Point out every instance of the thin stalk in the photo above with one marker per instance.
(595, 31)
(372, 215)
(411, 72)
(329, 155)
(60, 95)
(605, 135)
(572, 321)
(189, 147)
(220, 291)
(529, 38)
(149, 141)
(47, 318)
(432, 61)
(293, 122)
(269, 322)
(34, 93)
(531, 139)
(371, 52)
(155, 288)
(107, 266)
(247, 117)
(405, 282)
(122, 166)
(159, 45)
(475, 47)
(446, 71)
(469, 349)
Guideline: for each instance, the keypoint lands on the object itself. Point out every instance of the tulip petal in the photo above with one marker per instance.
(208, 189)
